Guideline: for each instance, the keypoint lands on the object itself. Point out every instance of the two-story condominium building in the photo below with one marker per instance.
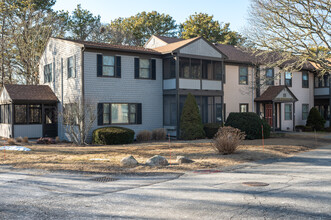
(282, 98)
(146, 87)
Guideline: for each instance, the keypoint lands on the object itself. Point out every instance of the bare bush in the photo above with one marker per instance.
(19, 139)
(11, 141)
(25, 140)
(159, 134)
(57, 140)
(227, 139)
(144, 135)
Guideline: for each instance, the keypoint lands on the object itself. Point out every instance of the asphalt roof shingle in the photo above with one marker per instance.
(271, 93)
(95, 45)
(30, 93)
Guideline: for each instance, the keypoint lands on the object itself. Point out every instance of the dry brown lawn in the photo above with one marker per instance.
(74, 158)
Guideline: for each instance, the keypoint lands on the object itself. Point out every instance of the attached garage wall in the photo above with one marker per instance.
(30, 131)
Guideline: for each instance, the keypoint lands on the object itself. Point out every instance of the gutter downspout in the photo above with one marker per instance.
(62, 97)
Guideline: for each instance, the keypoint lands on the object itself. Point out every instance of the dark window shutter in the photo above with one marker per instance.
(99, 65)
(100, 114)
(136, 68)
(118, 67)
(139, 113)
(75, 67)
(153, 62)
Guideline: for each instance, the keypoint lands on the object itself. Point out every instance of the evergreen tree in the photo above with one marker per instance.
(315, 120)
(191, 126)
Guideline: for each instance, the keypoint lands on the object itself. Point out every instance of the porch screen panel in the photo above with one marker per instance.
(34, 114)
(20, 114)
(170, 110)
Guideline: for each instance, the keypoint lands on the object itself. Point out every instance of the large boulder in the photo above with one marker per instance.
(157, 160)
(129, 161)
(182, 159)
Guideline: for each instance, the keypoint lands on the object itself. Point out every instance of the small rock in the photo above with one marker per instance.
(182, 159)
(129, 161)
(157, 161)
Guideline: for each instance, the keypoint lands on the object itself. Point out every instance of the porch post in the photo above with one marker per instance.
(273, 117)
(177, 97)
(330, 99)
(293, 116)
(280, 116)
(12, 119)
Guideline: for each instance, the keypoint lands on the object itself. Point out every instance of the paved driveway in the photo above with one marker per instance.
(299, 188)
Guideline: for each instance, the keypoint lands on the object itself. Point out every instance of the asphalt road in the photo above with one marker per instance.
(299, 188)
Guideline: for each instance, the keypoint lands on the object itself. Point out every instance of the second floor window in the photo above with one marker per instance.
(48, 73)
(71, 71)
(243, 75)
(269, 77)
(108, 66)
(144, 68)
(305, 80)
(288, 79)
(322, 81)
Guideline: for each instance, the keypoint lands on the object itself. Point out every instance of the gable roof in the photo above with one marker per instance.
(175, 46)
(236, 54)
(42, 93)
(272, 92)
(169, 40)
(125, 48)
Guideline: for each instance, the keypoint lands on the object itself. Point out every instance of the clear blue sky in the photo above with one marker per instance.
(233, 11)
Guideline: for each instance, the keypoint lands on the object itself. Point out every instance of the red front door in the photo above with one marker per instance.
(268, 113)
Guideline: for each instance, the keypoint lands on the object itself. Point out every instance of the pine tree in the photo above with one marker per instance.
(315, 120)
(191, 126)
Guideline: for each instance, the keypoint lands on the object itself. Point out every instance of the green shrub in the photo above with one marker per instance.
(190, 122)
(308, 129)
(113, 135)
(211, 129)
(315, 120)
(328, 129)
(250, 123)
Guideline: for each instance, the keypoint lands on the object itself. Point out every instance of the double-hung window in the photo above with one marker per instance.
(305, 80)
(48, 73)
(243, 75)
(70, 67)
(108, 66)
(144, 69)
(305, 111)
(288, 79)
(243, 107)
(288, 111)
(270, 77)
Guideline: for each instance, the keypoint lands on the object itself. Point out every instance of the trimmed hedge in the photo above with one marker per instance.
(211, 129)
(113, 135)
(250, 123)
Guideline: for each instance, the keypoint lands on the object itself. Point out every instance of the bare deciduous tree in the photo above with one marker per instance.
(78, 120)
(297, 32)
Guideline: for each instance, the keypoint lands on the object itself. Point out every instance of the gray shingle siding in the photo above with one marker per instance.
(126, 89)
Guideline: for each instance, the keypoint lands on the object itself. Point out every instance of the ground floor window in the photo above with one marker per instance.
(119, 113)
(243, 107)
(305, 111)
(5, 114)
(288, 111)
(324, 111)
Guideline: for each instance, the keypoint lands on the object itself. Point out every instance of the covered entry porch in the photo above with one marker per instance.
(277, 106)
